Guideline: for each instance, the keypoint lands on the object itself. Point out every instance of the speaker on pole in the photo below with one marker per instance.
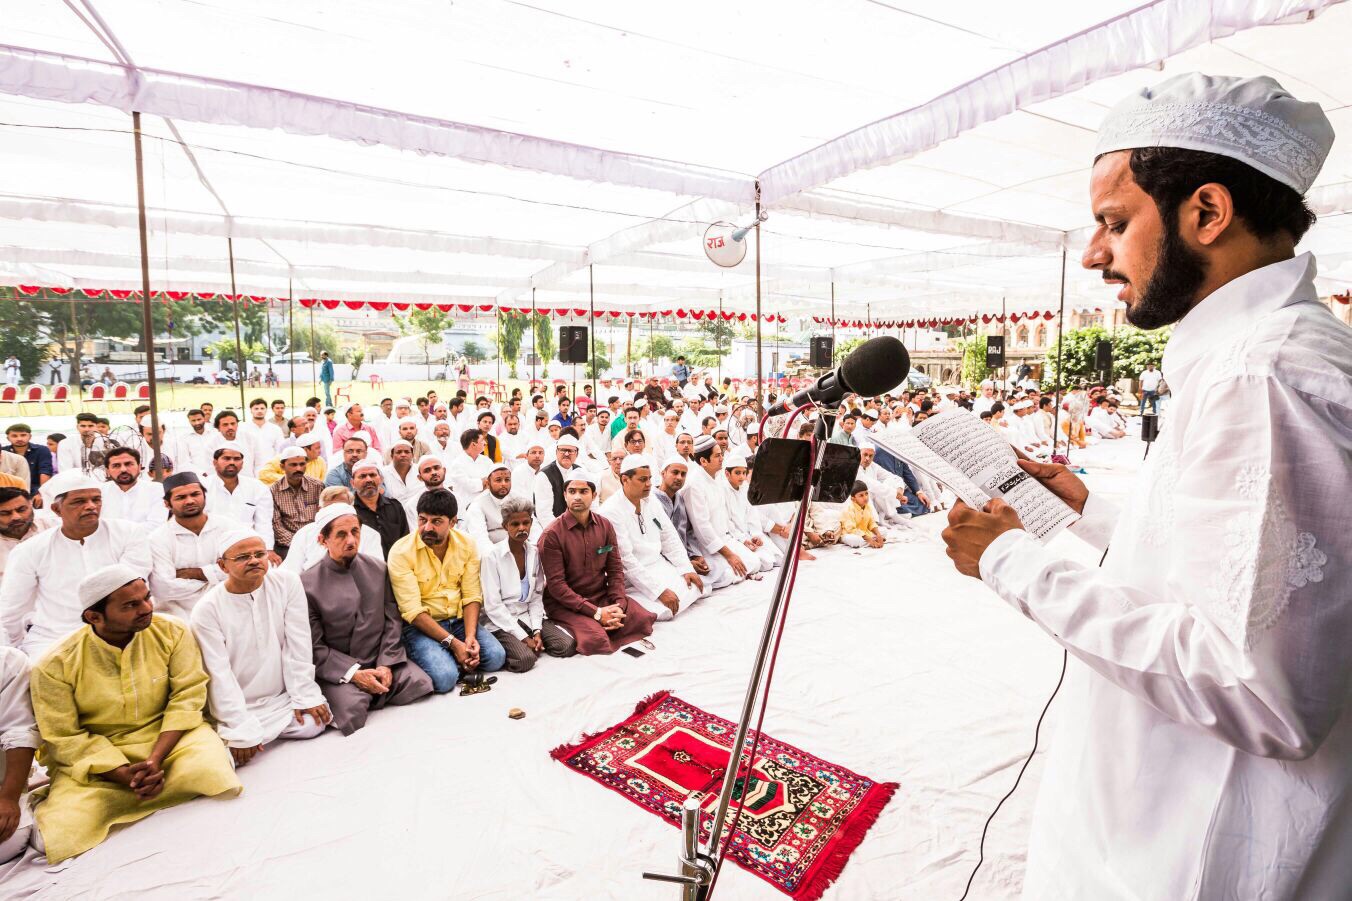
(995, 351)
(573, 344)
(821, 350)
(1103, 356)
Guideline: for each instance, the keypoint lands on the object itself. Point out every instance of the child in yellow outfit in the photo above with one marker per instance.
(857, 524)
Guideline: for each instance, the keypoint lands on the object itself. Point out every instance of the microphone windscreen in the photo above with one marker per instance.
(876, 367)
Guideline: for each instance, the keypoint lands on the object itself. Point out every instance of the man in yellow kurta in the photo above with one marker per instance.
(119, 706)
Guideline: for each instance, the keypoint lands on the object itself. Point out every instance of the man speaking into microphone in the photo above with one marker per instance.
(1204, 748)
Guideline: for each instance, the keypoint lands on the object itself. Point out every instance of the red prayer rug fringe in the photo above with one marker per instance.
(803, 816)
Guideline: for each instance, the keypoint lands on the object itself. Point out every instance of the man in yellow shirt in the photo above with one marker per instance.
(315, 466)
(119, 707)
(434, 571)
(858, 527)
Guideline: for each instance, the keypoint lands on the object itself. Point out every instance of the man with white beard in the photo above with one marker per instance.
(657, 572)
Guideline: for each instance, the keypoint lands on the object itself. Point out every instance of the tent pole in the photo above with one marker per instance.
(291, 340)
(719, 345)
(760, 387)
(497, 322)
(833, 317)
(1004, 334)
(314, 353)
(534, 355)
(868, 320)
(1057, 386)
(652, 354)
(591, 302)
(239, 342)
(147, 325)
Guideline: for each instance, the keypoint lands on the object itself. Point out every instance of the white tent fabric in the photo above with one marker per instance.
(482, 151)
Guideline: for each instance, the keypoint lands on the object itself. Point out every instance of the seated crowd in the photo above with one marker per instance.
(292, 573)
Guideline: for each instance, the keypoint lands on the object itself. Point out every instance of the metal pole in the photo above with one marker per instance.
(868, 320)
(314, 355)
(1004, 335)
(760, 387)
(291, 340)
(652, 354)
(147, 326)
(833, 317)
(1060, 344)
(534, 354)
(591, 303)
(239, 342)
(497, 321)
(719, 345)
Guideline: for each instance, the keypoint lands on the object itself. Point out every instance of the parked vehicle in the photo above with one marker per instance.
(918, 380)
(300, 356)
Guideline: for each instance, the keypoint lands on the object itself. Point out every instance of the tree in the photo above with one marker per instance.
(356, 357)
(597, 366)
(473, 352)
(224, 351)
(699, 354)
(429, 325)
(661, 347)
(511, 328)
(974, 369)
(721, 331)
(544, 341)
(845, 347)
(22, 337)
(1132, 349)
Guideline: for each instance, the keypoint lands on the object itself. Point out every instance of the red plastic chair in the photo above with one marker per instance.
(121, 394)
(481, 387)
(98, 394)
(31, 395)
(376, 380)
(60, 394)
(10, 395)
(342, 396)
(143, 392)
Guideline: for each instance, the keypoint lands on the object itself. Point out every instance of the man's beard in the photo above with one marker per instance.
(17, 529)
(1172, 289)
(124, 478)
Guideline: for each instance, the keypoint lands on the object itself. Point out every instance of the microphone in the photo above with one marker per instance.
(875, 367)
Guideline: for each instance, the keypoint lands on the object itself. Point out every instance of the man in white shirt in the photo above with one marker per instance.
(183, 551)
(254, 632)
(468, 471)
(83, 451)
(239, 497)
(1203, 745)
(525, 471)
(265, 437)
(1104, 422)
(307, 546)
(228, 433)
(745, 523)
(38, 591)
(483, 518)
(1150, 388)
(707, 507)
(192, 447)
(657, 571)
(987, 400)
(511, 443)
(399, 475)
(126, 495)
(431, 476)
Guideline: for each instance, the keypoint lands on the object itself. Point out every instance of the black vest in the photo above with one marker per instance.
(555, 477)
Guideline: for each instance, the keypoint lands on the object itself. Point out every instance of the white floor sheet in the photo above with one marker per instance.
(892, 665)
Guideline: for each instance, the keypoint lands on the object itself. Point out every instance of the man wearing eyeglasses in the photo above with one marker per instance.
(254, 631)
(548, 489)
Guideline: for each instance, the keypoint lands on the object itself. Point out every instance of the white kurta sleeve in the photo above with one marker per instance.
(490, 578)
(543, 497)
(710, 540)
(18, 728)
(643, 579)
(298, 665)
(1250, 642)
(262, 517)
(238, 726)
(475, 526)
(18, 592)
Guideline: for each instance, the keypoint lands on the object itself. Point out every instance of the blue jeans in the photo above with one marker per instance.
(328, 401)
(440, 664)
(1152, 398)
(912, 505)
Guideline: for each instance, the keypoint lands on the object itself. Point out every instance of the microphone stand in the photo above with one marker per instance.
(698, 863)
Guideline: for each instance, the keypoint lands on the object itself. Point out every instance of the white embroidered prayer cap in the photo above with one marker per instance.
(66, 482)
(104, 581)
(233, 537)
(734, 459)
(567, 441)
(1253, 120)
(328, 514)
(675, 460)
(368, 463)
(632, 462)
(307, 439)
(580, 475)
(294, 452)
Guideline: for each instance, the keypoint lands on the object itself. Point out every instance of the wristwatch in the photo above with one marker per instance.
(446, 642)
(597, 615)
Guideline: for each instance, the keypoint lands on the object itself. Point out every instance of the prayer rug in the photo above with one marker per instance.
(803, 817)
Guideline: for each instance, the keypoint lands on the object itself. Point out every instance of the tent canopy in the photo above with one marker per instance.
(928, 159)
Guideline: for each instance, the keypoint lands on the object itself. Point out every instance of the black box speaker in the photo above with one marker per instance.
(1103, 356)
(573, 344)
(995, 351)
(822, 348)
(1150, 427)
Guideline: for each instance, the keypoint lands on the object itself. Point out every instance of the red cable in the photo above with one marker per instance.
(796, 539)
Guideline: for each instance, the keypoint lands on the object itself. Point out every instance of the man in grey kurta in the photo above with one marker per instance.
(360, 662)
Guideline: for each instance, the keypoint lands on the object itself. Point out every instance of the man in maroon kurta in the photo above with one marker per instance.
(584, 578)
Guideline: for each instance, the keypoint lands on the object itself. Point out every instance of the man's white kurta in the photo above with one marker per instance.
(653, 554)
(258, 652)
(43, 573)
(173, 547)
(142, 503)
(249, 505)
(1205, 740)
(305, 550)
